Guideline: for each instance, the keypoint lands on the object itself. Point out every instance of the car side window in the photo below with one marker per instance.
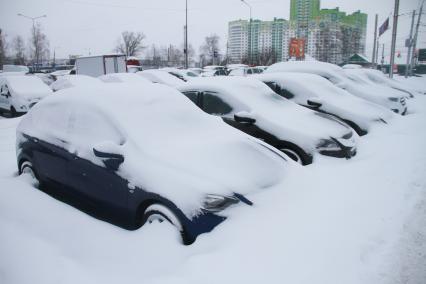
(286, 94)
(192, 95)
(274, 86)
(249, 71)
(213, 104)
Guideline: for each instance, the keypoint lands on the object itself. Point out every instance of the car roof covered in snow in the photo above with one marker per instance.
(69, 81)
(124, 78)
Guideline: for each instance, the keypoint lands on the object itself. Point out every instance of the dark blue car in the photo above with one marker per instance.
(134, 154)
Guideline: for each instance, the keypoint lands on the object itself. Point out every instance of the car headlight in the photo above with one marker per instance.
(328, 145)
(216, 203)
(393, 99)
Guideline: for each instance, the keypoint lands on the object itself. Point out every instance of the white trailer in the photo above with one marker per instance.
(96, 66)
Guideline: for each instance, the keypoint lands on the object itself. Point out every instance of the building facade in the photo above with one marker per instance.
(330, 35)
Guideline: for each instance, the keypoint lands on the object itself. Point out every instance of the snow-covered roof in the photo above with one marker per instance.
(131, 78)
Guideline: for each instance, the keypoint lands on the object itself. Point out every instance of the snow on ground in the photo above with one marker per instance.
(335, 221)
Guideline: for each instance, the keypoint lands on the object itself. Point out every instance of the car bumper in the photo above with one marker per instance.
(346, 152)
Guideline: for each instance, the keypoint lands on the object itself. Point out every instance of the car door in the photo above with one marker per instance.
(90, 177)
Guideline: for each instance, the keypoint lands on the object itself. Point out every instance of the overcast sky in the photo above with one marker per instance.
(77, 26)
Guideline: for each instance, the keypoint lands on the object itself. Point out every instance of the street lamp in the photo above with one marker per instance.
(249, 37)
(186, 34)
(33, 20)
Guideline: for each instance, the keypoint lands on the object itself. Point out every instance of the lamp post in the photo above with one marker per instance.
(186, 34)
(33, 20)
(249, 37)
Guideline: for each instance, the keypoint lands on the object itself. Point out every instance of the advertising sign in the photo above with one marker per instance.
(297, 48)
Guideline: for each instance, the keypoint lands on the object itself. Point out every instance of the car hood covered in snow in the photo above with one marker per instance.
(333, 99)
(284, 119)
(131, 78)
(27, 87)
(170, 146)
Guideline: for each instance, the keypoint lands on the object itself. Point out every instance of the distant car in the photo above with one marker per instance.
(15, 68)
(377, 77)
(184, 75)
(132, 159)
(124, 78)
(134, 68)
(245, 71)
(20, 93)
(70, 81)
(161, 77)
(48, 79)
(323, 96)
(250, 106)
(214, 70)
(60, 73)
(387, 97)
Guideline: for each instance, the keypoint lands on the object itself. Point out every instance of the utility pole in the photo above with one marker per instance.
(409, 45)
(383, 55)
(377, 53)
(394, 30)
(186, 34)
(375, 41)
(413, 56)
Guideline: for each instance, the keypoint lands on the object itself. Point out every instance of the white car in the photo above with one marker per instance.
(377, 77)
(387, 97)
(70, 81)
(19, 93)
(183, 74)
(325, 97)
(245, 71)
(161, 77)
(252, 107)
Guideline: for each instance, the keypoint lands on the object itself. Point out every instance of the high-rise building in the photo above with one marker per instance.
(302, 12)
(330, 34)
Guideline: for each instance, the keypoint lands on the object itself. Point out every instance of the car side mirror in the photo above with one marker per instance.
(244, 117)
(315, 102)
(110, 154)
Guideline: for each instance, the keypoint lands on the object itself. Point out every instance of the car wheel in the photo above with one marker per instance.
(27, 169)
(293, 155)
(160, 213)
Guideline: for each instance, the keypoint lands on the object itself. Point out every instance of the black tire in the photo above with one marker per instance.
(160, 213)
(295, 153)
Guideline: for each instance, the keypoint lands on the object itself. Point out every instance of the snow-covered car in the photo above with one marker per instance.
(245, 71)
(102, 147)
(213, 73)
(252, 107)
(129, 78)
(161, 77)
(183, 74)
(323, 96)
(377, 77)
(70, 81)
(19, 93)
(15, 68)
(60, 73)
(387, 97)
(134, 68)
(48, 79)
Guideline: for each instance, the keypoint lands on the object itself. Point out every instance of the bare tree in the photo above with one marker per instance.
(39, 45)
(19, 50)
(210, 49)
(2, 48)
(130, 43)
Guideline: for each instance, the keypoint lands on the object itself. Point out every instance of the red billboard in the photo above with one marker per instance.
(297, 48)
